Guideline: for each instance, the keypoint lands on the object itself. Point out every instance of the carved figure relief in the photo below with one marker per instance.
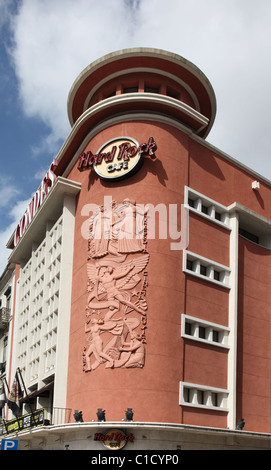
(116, 317)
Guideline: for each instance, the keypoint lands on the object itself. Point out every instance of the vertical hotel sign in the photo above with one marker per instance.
(35, 202)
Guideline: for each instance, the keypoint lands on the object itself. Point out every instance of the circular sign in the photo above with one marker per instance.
(117, 158)
(116, 439)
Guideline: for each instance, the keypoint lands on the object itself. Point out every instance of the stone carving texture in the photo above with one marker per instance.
(116, 317)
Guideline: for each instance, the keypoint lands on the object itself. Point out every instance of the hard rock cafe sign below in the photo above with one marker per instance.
(117, 158)
(114, 439)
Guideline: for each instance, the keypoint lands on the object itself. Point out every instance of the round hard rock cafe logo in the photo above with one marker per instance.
(114, 439)
(117, 157)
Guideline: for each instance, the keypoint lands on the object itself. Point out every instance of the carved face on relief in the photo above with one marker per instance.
(117, 280)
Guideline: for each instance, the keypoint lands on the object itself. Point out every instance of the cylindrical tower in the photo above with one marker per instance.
(132, 113)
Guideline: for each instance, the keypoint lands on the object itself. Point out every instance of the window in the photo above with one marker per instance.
(151, 89)
(206, 207)
(215, 336)
(189, 265)
(206, 269)
(197, 329)
(131, 89)
(173, 93)
(248, 235)
(202, 332)
(188, 328)
(202, 396)
(203, 270)
(191, 202)
(111, 94)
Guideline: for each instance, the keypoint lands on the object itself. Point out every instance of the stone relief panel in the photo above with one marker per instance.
(116, 310)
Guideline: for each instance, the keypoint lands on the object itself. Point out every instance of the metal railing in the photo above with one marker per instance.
(42, 417)
(61, 415)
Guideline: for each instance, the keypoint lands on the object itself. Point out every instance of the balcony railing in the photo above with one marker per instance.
(42, 417)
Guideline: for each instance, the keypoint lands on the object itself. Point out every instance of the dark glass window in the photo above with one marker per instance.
(215, 336)
(188, 328)
(202, 332)
(189, 265)
(203, 270)
(250, 236)
(151, 89)
(131, 89)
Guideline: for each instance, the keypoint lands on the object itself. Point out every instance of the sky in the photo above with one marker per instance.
(45, 44)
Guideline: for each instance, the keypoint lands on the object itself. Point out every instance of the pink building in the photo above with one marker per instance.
(143, 270)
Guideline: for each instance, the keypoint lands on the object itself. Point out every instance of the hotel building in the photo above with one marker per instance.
(141, 273)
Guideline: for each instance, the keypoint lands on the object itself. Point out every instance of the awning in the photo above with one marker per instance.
(43, 391)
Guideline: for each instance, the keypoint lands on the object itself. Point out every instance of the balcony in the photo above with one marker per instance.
(4, 317)
(41, 417)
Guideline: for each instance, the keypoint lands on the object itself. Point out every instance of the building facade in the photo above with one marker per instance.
(143, 270)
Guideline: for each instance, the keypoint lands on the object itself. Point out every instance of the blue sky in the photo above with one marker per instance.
(45, 44)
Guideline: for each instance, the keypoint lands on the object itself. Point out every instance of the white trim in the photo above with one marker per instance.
(232, 320)
(128, 98)
(210, 327)
(211, 267)
(65, 296)
(161, 72)
(136, 53)
(222, 396)
(213, 207)
(50, 210)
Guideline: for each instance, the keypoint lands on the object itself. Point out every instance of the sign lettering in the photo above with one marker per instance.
(35, 202)
(114, 439)
(117, 158)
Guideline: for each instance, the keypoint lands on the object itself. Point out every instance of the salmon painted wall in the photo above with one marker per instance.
(224, 181)
(254, 336)
(152, 391)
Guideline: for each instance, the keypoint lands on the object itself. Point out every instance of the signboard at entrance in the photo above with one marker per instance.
(27, 421)
(117, 158)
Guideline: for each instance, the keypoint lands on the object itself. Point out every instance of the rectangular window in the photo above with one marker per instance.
(197, 329)
(188, 328)
(248, 235)
(203, 270)
(189, 265)
(212, 271)
(202, 332)
(207, 207)
(131, 89)
(191, 202)
(151, 89)
(201, 396)
(215, 336)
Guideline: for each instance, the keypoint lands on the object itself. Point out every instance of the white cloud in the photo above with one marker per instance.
(8, 191)
(53, 42)
(228, 39)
